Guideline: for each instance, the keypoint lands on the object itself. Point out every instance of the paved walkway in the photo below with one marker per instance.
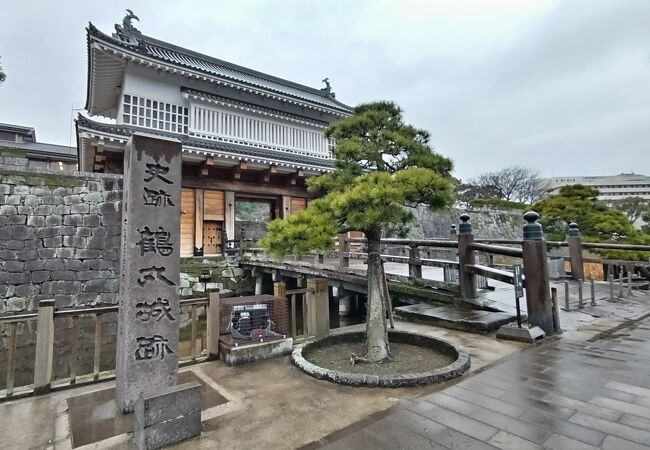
(558, 395)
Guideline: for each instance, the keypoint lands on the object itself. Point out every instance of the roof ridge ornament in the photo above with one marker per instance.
(127, 32)
(327, 90)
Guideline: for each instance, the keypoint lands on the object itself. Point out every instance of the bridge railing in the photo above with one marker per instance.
(51, 334)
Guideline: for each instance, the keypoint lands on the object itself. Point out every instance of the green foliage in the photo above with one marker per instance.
(577, 203)
(382, 165)
(499, 203)
(3, 76)
(597, 221)
(12, 151)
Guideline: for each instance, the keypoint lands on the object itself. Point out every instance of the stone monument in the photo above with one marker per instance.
(149, 314)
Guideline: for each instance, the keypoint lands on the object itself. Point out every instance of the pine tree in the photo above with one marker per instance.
(383, 168)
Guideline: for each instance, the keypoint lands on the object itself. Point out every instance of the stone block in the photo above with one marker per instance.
(37, 190)
(36, 221)
(6, 233)
(14, 266)
(63, 275)
(13, 200)
(8, 210)
(47, 232)
(52, 200)
(63, 301)
(62, 191)
(43, 210)
(93, 197)
(73, 264)
(83, 231)
(53, 221)
(19, 277)
(39, 276)
(54, 264)
(64, 252)
(92, 220)
(25, 210)
(87, 253)
(33, 244)
(46, 253)
(79, 208)
(73, 219)
(31, 200)
(53, 242)
(72, 199)
(15, 304)
(61, 209)
(27, 290)
(8, 255)
(27, 255)
(18, 219)
(198, 287)
(14, 245)
(94, 186)
(34, 264)
(21, 189)
(168, 417)
(66, 230)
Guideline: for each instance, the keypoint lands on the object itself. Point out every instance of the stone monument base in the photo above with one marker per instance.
(530, 335)
(235, 353)
(169, 416)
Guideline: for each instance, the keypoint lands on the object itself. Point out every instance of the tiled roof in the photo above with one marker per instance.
(178, 56)
(211, 146)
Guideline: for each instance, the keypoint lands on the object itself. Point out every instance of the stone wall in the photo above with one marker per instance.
(59, 237)
(489, 223)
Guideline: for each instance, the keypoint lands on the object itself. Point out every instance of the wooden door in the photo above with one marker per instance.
(212, 238)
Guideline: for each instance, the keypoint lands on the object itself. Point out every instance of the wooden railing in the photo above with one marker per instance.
(46, 339)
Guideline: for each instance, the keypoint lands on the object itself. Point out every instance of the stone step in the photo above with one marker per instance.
(458, 318)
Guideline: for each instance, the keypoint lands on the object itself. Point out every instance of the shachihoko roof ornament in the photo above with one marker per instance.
(128, 32)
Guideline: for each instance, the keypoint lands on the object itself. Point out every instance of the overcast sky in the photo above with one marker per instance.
(562, 86)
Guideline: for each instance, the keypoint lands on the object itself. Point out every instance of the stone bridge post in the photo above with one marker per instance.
(466, 256)
(575, 252)
(536, 275)
(415, 263)
(344, 249)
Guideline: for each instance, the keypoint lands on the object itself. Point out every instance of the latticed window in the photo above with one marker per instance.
(144, 112)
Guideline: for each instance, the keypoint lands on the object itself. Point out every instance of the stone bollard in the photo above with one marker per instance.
(538, 291)
(611, 287)
(593, 291)
(581, 303)
(466, 256)
(567, 305)
(575, 252)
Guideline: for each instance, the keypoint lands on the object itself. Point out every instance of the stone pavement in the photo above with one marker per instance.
(561, 394)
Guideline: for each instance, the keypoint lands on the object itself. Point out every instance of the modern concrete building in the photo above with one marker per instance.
(613, 187)
(249, 139)
(39, 154)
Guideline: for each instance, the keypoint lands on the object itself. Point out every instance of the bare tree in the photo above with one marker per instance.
(514, 184)
(634, 208)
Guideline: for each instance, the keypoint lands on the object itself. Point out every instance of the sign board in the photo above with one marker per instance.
(518, 281)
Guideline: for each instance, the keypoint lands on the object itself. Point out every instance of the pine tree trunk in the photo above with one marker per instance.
(376, 329)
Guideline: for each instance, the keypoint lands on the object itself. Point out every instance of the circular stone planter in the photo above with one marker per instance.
(461, 362)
